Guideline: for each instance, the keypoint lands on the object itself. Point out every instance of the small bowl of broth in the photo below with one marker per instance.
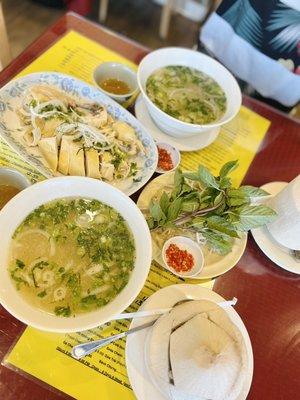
(116, 80)
(11, 183)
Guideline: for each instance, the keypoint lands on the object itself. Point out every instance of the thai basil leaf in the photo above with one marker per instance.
(220, 224)
(218, 243)
(193, 176)
(150, 222)
(253, 216)
(218, 199)
(252, 191)
(178, 178)
(156, 212)
(207, 178)
(236, 197)
(174, 209)
(190, 205)
(220, 210)
(185, 189)
(225, 182)
(228, 168)
(198, 222)
(164, 202)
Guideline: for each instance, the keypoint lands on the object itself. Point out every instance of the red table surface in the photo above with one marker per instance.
(268, 297)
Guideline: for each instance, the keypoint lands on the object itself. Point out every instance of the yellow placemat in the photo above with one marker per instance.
(238, 140)
(46, 356)
(101, 375)
(74, 54)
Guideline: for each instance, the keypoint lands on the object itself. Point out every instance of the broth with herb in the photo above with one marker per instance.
(71, 256)
(7, 192)
(186, 94)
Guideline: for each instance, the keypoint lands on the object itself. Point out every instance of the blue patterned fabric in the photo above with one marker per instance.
(271, 26)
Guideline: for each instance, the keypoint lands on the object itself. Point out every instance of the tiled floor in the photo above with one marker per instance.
(25, 21)
(138, 19)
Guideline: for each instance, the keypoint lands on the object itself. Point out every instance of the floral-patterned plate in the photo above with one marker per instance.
(11, 96)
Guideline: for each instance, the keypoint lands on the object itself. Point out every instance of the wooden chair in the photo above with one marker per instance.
(103, 6)
(168, 9)
(5, 53)
(166, 14)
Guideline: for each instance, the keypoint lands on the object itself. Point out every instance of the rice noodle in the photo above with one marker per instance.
(52, 247)
(34, 231)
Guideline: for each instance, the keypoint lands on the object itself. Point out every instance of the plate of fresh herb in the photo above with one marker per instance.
(207, 209)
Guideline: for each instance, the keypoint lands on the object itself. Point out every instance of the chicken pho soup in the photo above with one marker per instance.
(186, 94)
(71, 256)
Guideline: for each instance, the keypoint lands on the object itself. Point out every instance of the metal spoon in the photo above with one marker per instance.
(295, 254)
(83, 349)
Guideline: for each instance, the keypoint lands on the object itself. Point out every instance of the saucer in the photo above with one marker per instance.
(191, 143)
(277, 253)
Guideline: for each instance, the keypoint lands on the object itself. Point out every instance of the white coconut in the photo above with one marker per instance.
(175, 337)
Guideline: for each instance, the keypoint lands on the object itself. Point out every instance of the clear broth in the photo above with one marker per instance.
(186, 94)
(71, 256)
(7, 192)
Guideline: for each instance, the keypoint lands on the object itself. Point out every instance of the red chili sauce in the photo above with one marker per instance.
(179, 260)
(164, 160)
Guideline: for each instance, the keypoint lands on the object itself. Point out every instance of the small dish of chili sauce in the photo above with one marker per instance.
(183, 256)
(168, 158)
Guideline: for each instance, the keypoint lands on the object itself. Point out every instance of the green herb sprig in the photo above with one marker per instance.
(210, 206)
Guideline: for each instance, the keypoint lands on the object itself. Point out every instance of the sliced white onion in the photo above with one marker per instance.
(95, 269)
(83, 220)
(52, 247)
(59, 293)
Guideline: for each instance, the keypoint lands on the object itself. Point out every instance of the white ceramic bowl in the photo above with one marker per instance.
(185, 243)
(194, 59)
(10, 176)
(118, 71)
(174, 153)
(26, 201)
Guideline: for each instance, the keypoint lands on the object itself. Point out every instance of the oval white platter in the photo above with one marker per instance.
(135, 346)
(214, 264)
(11, 96)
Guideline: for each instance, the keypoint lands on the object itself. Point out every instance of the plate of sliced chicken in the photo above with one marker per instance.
(63, 126)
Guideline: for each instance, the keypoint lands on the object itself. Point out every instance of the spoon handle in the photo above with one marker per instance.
(159, 311)
(140, 314)
(82, 350)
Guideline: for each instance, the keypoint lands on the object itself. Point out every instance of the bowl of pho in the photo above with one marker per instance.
(186, 92)
(74, 252)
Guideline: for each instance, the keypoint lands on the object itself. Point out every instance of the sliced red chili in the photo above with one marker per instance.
(164, 160)
(179, 260)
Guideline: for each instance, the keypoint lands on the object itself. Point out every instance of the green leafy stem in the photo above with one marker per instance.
(210, 206)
